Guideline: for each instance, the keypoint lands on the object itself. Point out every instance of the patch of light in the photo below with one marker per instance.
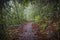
(11, 3)
(27, 11)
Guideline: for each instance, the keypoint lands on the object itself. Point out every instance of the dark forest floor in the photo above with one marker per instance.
(29, 31)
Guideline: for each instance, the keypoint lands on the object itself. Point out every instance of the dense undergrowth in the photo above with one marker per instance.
(46, 14)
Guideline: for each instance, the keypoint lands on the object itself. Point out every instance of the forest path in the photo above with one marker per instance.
(28, 33)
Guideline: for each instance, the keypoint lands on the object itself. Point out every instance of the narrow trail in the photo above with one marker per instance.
(30, 31)
(27, 33)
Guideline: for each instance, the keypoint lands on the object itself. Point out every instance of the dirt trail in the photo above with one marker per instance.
(30, 31)
(27, 33)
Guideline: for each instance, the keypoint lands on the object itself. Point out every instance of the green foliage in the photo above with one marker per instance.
(16, 12)
(13, 13)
